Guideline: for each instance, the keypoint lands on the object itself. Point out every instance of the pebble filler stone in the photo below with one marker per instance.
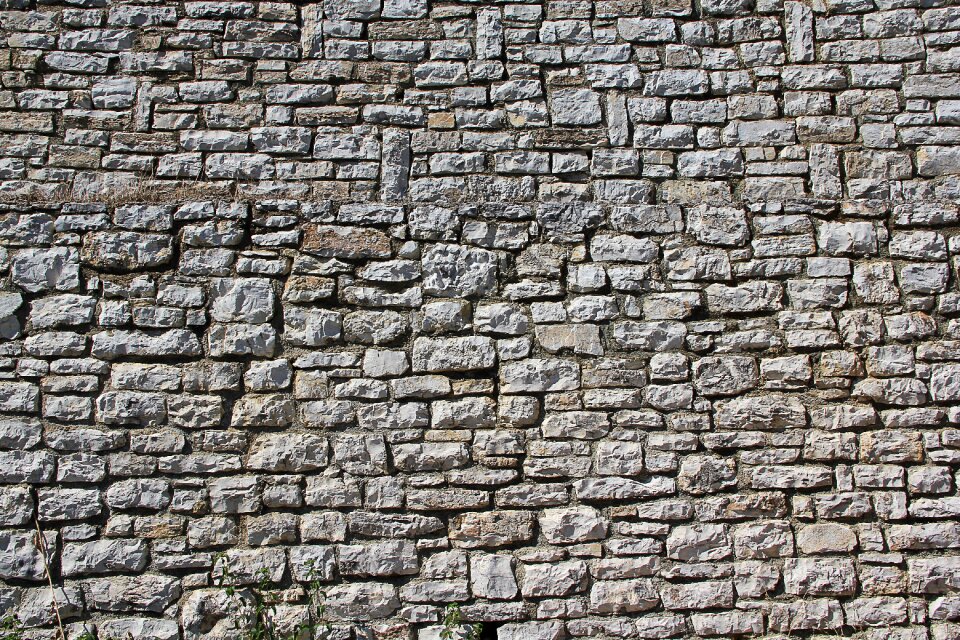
(599, 318)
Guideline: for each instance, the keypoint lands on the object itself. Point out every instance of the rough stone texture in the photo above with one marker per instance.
(600, 318)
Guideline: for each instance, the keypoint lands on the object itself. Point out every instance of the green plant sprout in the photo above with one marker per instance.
(260, 606)
(452, 624)
(10, 628)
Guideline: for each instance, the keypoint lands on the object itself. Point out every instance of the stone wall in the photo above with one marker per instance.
(623, 318)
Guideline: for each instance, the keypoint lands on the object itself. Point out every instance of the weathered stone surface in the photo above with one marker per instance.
(139, 494)
(707, 474)
(570, 526)
(263, 410)
(539, 375)
(725, 226)
(383, 559)
(613, 319)
(945, 383)
(19, 397)
(37, 606)
(56, 503)
(492, 576)
(615, 489)
(816, 577)
(430, 456)
(698, 543)
(234, 495)
(531, 631)
(127, 251)
(346, 242)
(106, 556)
(241, 300)
(575, 107)
(26, 466)
(826, 538)
(149, 628)
(207, 614)
(288, 453)
(476, 413)
(20, 557)
(772, 411)
(370, 524)
(749, 297)
(361, 454)
(112, 345)
(623, 596)
(362, 601)
(16, 506)
(708, 594)
(491, 529)
(554, 579)
(10, 324)
(582, 425)
(773, 539)
(54, 269)
(582, 339)
(434, 355)
(663, 335)
(122, 594)
(725, 375)
(57, 311)
(454, 271)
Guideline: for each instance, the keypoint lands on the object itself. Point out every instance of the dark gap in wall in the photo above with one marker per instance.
(489, 631)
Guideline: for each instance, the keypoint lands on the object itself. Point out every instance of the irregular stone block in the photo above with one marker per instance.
(491, 529)
(53, 269)
(573, 525)
(20, 558)
(104, 556)
(454, 271)
(350, 243)
(435, 355)
(539, 375)
(127, 250)
(392, 558)
(122, 594)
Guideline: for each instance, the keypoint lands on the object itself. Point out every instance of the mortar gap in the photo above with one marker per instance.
(489, 631)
